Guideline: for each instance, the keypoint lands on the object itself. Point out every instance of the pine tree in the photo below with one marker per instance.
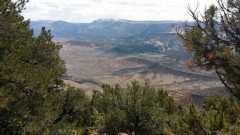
(30, 74)
(214, 40)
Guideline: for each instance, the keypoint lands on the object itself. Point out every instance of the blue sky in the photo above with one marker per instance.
(89, 10)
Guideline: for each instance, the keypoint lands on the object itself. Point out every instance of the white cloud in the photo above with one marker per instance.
(88, 10)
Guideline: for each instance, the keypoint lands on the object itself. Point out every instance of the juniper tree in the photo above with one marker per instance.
(30, 71)
(214, 41)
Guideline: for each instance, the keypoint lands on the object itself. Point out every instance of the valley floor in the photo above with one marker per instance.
(88, 68)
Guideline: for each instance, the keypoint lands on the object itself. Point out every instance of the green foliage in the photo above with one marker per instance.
(30, 69)
(138, 108)
(217, 116)
(34, 100)
(141, 109)
(214, 42)
(74, 115)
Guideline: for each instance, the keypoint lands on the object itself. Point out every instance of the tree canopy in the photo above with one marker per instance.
(214, 39)
(30, 73)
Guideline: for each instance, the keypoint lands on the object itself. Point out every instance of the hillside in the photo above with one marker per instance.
(119, 51)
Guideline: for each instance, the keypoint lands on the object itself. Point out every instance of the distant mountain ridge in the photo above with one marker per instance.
(104, 28)
(124, 36)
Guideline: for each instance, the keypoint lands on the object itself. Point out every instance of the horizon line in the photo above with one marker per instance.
(106, 19)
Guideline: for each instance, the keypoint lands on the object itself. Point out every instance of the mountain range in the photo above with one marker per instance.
(118, 51)
(121, 36)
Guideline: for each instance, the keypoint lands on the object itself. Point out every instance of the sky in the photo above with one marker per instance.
(89, 10)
